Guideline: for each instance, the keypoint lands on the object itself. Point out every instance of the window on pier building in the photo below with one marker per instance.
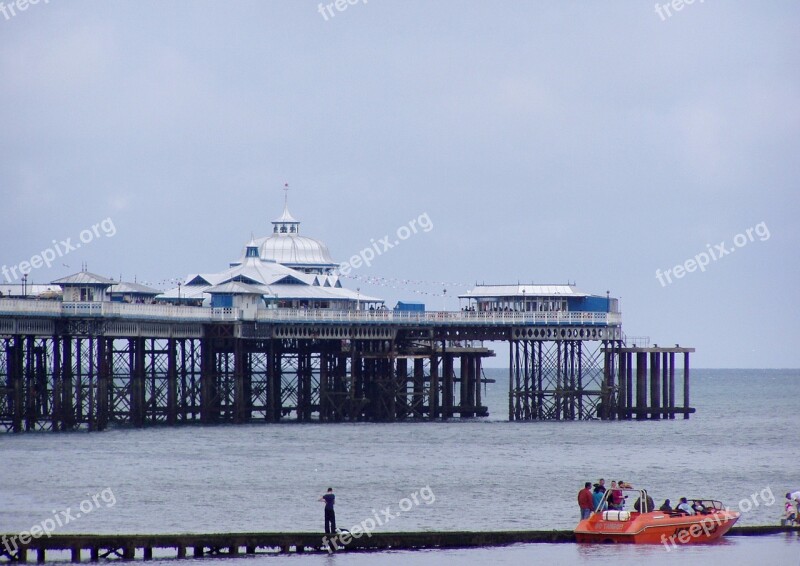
(218, 301)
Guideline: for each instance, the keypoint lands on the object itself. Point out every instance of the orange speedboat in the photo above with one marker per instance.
(641, 525)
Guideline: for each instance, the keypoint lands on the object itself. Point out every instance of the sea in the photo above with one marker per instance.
(741, 447)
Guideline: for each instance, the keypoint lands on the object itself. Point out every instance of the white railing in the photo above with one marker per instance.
(205, 314)
(440, 317)
(27, 306)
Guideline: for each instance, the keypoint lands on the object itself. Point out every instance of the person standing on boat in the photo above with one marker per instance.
(597, 497)
(585, 501)
(645, 506)
(616, 499)
(330, 516)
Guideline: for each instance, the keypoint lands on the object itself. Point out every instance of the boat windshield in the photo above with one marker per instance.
(629, 499)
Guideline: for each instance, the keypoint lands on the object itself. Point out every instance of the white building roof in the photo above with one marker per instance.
(293, 249)
(269, 279)
(83, 278)
(238, 288)
(490, 291)
(127, 287)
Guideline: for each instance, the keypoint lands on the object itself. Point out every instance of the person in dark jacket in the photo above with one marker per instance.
(649, 504)
(330, 516)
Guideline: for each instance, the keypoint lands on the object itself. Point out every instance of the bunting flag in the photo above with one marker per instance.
(407, 285)
(385, 281)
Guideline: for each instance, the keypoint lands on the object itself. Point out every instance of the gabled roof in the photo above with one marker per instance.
(84, 278)
(238, 288)
(203, 279)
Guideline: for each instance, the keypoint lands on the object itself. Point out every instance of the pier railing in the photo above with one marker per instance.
(46, 308)
(503, 318)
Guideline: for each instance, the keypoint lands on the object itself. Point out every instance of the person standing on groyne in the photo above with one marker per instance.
(330, 515)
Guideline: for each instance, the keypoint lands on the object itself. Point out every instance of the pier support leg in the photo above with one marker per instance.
(686, 385)
(478, 400)
(623, 386)
(672, 385)
(629, 386)
(137, 346)
(418, 401)
(655, 386)
(447, 385)
(172, 382)
(239, 400)
(665, 385)
(274, 378)
(511, 371)
(433, 396)
(641, 386)
(463, 385)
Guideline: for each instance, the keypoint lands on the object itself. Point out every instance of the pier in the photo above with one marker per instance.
(277, 337)
(66, 365)
(93, 548)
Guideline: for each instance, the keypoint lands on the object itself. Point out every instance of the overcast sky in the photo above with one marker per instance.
(545, 141)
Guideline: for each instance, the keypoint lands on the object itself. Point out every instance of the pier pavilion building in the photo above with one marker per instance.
(284, 270)
(561, 298)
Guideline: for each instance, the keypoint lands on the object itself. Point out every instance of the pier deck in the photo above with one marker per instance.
(129, 547)
(72, 365)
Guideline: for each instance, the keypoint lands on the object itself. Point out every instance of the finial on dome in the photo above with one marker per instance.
(286, 224)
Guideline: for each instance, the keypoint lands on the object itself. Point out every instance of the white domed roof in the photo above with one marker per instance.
(287, 247)
(293, 250)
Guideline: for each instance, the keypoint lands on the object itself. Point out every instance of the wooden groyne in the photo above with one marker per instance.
(82, 547)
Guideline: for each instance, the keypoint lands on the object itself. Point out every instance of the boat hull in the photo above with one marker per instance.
(655, 527)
